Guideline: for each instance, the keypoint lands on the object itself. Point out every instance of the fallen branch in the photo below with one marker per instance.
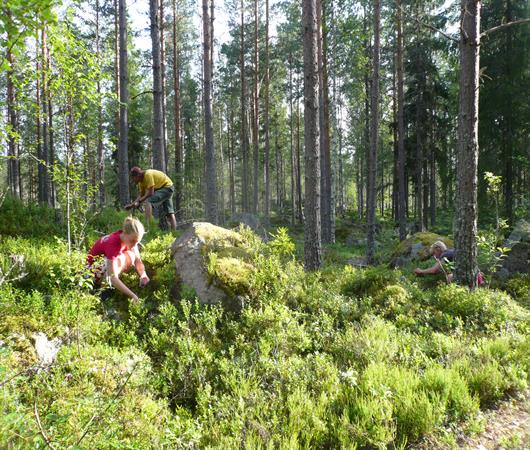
(46, 439)
(97, 416)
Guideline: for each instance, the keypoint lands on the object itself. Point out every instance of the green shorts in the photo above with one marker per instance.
(163, 199)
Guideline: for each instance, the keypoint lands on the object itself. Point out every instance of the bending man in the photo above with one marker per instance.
(156, 187)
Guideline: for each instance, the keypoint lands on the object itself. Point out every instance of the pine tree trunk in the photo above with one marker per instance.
(158, 119)
(466, 170)
(267, 202)
(163, 84)
(326, 206)
(374, 133)
(123, 155)
(402, 202)
(178, 147)
(312, 235)
(291, 142)
(100, 155)
(245, 174)
(209, 150)
(509, 138)
(255, 114)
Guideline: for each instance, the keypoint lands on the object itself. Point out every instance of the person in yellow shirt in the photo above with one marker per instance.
(157, 188)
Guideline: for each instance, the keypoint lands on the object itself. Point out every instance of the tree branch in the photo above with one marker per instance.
(46, 438)
(142, 93)
(504, 25)
(426, 25)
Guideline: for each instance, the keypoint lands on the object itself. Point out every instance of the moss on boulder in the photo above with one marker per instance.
(417, 247)
(215, 262)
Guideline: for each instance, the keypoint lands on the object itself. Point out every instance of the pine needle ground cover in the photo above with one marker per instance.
(342, 358)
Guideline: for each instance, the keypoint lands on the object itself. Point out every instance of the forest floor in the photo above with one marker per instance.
(506, 427)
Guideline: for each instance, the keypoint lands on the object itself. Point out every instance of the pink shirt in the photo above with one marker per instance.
(109, 246)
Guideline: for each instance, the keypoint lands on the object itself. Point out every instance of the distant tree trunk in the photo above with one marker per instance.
(326, 206)
(419, 163)
(209, 150)
(432, 186)
(245, 175)
(267, 201)
(117, 68)
(509, 138)
(163, 84)
(42, 125)
(178, 147)
(221, 170)
(51, 150)
(231, 162)
(100, 155)
(312, 235)
(374, 133)
(291, 142)
(255, 124)
(158, 100)
(300, 212)
(123, 155)
(12, 125)
(402, 203)
(466, 268)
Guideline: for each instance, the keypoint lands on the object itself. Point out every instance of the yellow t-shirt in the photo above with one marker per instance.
(154, 178)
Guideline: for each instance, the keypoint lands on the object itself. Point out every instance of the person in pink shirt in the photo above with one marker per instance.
(116, 253)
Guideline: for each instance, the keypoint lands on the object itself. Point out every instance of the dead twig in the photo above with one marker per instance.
(97, 416)
(36, 411)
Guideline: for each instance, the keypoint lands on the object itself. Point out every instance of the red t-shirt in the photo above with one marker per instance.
(108, 246)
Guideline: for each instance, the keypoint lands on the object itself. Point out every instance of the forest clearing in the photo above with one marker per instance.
(265, 224)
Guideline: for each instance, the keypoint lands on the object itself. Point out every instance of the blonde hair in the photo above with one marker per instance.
(133, 227)
(440, 245)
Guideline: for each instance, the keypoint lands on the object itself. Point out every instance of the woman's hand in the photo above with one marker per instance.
(144, 280)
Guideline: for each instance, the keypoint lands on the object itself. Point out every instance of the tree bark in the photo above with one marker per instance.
(123, 154)
(267, 201)
(245, 174)
(178, 147)
(209, 150)
(467, 158)
(158, 114)
(255, 124)
(326, 207)
(312, 236)
(374, 133)
(12, 125)
(402, 203)
(100, 155)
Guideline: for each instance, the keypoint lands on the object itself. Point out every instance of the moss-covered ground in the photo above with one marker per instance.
(341, 358)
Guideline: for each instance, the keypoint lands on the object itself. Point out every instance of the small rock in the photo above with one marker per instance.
(46, 350)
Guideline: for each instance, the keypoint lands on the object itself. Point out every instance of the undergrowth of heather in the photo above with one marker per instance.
(342, 358)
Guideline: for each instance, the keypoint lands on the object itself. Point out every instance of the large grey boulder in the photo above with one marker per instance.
(416, 248)
(192, 255)
(516, 260)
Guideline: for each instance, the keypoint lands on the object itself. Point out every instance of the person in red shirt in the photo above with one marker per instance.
(116, 253)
